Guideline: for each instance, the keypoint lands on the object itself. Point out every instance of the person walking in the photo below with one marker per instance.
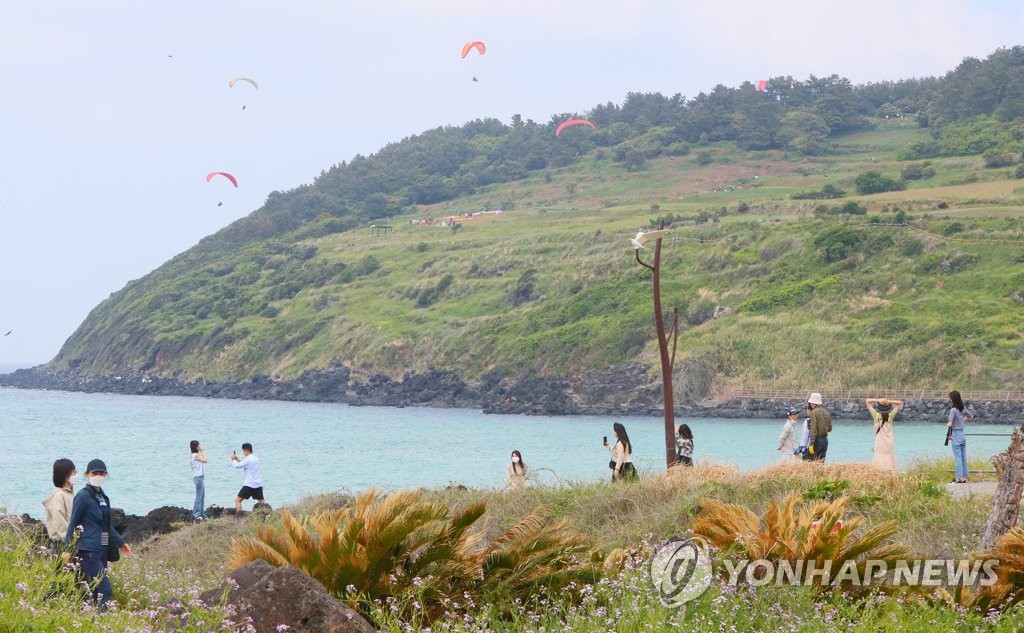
(883, 411)
(91, 531)
(787, 438)
(60, 502)
(957, 424)
(515, 472)
(252, 483)
(197, 459)
(622, 455)
(819, 426)
(684, 445)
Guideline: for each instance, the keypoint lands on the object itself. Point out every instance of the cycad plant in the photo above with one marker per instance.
(1008, 588)
(400, 546)
(797, 530)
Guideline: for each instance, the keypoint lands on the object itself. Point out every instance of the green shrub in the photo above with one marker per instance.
(838, 243)
(998, 158)
(917, 171)
(873, 182)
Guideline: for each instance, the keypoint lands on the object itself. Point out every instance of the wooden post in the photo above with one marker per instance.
(666, 360)
(1006, 503)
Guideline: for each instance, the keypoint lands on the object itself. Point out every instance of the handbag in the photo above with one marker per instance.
(611, 464)
(113, 553)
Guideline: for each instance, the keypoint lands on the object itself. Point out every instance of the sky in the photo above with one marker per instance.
(112, 113)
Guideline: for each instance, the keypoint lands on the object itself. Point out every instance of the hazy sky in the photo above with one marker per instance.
(112, 113)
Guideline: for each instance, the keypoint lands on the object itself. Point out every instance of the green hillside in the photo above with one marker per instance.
(780, 281)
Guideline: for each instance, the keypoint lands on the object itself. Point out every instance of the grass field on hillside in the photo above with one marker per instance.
(551, 285)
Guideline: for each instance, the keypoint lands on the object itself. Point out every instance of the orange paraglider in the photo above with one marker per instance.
(571, 122)
(468, 46)
(210, 176)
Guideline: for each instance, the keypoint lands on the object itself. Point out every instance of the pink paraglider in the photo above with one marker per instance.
(211, 175)
(762, 85)
(468, 46)
(571, 122)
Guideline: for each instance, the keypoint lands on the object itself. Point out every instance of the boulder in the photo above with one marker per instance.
(271, 596)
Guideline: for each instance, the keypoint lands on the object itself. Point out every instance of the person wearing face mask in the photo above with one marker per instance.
(515, 472)
(91, 530)
(58, 504)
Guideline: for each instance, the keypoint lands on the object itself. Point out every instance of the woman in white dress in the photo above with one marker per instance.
(882, 412)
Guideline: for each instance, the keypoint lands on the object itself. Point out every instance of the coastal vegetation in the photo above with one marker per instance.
(882, 514)
(875, 228)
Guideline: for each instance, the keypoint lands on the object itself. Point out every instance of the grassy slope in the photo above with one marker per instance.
(877, 317)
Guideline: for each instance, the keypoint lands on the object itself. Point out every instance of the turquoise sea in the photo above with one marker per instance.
(311, 448)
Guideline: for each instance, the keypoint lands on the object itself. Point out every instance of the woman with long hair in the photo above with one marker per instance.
(684, 445)
(883, 411)
(197, 459)
(515, 472)
(622, 455)
(957, 423)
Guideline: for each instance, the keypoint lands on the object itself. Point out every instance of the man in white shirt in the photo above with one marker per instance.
(252, 484)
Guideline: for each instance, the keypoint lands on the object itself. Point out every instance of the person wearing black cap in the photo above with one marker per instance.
(882, 412)
(787, 438)
(91, 530)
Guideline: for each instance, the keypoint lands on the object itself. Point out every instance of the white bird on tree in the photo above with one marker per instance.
(641, 237)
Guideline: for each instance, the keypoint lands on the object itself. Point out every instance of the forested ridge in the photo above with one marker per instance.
(550, 287)
(791, 114)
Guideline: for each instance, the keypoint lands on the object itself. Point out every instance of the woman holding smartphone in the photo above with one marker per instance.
(622, 455)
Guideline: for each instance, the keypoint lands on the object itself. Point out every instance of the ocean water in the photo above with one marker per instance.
(312, 448)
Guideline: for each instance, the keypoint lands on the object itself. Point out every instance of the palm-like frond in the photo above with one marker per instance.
(381, 544)
(796, 530)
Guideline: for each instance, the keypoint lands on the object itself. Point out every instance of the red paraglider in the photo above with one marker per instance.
(571, 122)
(468, 46)
(210, 176)
(762, 85)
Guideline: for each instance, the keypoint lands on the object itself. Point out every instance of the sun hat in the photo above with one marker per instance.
(883, 408)
(96, 466)
(815, 398)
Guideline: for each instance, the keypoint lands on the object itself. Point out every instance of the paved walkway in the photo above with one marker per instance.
(962, 491)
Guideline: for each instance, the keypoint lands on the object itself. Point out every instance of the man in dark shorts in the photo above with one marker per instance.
(252, 484)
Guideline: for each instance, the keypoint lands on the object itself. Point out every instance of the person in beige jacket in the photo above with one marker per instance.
(515, 472)
(58, 504)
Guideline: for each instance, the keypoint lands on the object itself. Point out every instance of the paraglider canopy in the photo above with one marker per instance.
(468, 46)
(231, 84)
(762, 85)
(211, 175)
(571, 122)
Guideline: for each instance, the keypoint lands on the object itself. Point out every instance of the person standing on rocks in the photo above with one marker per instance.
(787, 438)
(252, 483)
(818, 428)
(883, 411)
(197, 459)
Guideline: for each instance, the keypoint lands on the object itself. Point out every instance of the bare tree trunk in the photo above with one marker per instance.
(1006, 504)
(666, 365)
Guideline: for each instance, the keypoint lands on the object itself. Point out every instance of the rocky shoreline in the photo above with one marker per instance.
(621, 390)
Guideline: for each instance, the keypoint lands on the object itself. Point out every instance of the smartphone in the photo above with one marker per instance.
(605, 441)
